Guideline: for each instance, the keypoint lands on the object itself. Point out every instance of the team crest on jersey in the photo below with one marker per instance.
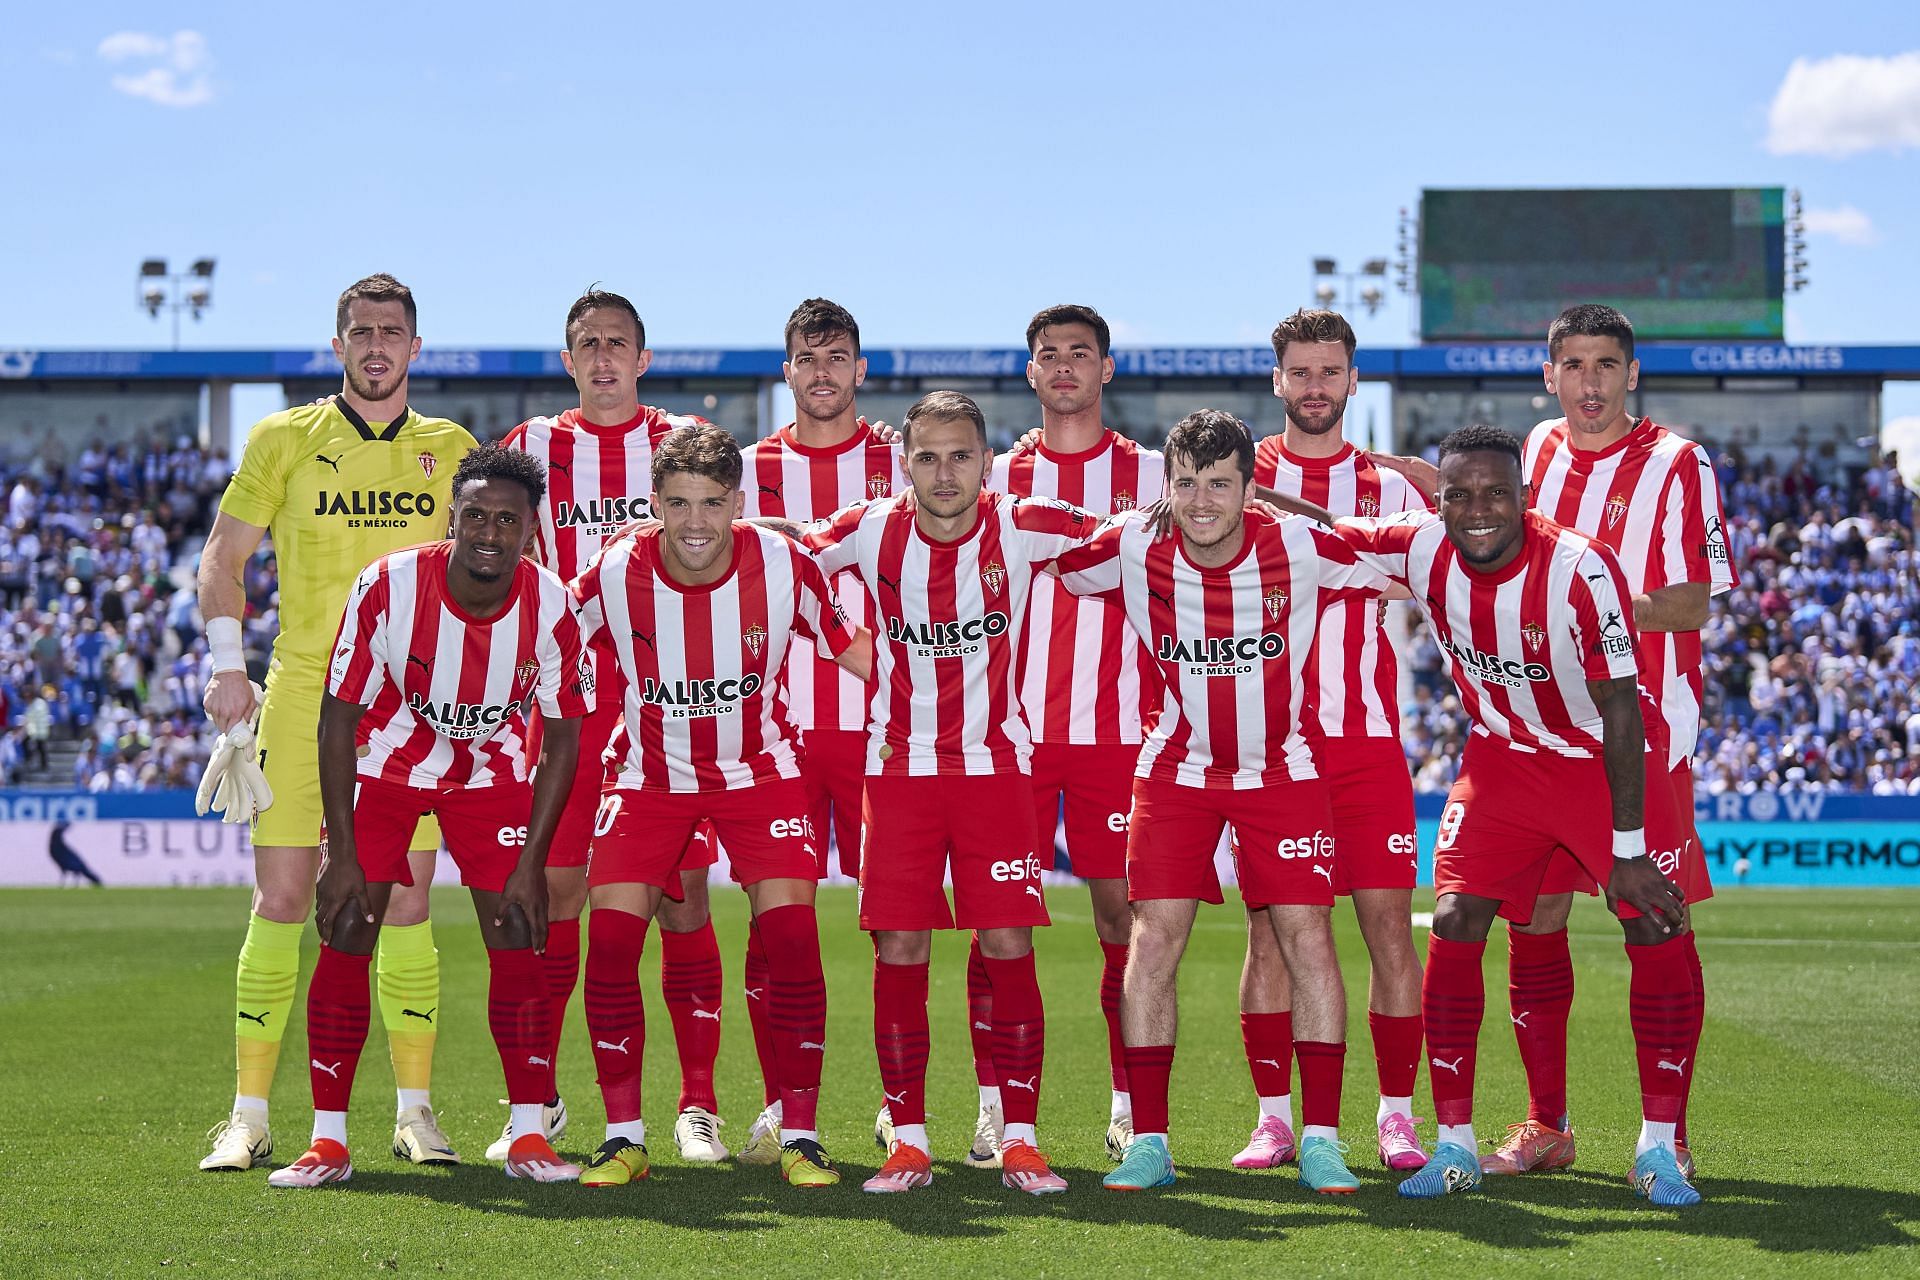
(1535, 635)
(877, 486)
(755, 638)
(427, 463)
(1369, 508)
(995, 576)
(1123, 501)
(1276, 600)
(1616, 508)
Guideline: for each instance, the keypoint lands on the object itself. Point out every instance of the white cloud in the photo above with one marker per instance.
(1846, 103)
(182, 78)
(1846, 224)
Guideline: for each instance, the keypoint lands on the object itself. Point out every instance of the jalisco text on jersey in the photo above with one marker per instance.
(373, 502)
(465, 719)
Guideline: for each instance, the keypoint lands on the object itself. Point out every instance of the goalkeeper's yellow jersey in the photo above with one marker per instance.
(336, 492)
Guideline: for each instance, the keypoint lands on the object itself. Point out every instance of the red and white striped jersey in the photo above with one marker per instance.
(598, 478)
(950, 615)
(448, 693)
(1232, 642)
(1356, 668)
(1084, 677)
(701, 664)
(1653, 499)
(1525, 640)
(798, 482)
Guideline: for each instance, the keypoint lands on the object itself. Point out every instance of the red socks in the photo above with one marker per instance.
(799, 1014)
(980, 1015)
(561, 963)
(1149, 1071)
(900, 1038)
(754, 984)
(616, 1015)
(338, 1006)
(690, 979)
(1321, 1065)
(520, 1016)
(1019, 1036)
(1396, 1052)
(1540, 988)
(1113, 975)
(1691, 951)
(1453, 999)
(1268, 1038)
(1662, 1006)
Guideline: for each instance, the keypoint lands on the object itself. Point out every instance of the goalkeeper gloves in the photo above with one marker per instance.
(233, 783)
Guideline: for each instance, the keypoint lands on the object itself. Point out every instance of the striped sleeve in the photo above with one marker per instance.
(835, 541)
(1603, 621)
(359, 666)
(816, 613)
(564, 690)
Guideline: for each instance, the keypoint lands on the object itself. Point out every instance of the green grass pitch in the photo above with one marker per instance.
(116, 1052)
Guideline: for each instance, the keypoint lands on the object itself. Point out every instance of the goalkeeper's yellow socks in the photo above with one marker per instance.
(263, 988)
(409, 987)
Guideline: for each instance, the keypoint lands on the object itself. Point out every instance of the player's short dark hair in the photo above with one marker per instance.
(596, 299)
(699, 449)
(1481, 438)
(1206, 436)
(496, 462)
(379, 287)
(1312, 325)
(943, 406)
(1590, 320)
(1071, 313)
(819, 319)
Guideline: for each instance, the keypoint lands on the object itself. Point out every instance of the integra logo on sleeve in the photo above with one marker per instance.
(464, 719)
(1221, 655)
(1491, 666)
(947, 639)
(376, 503)
(605, 514)
(691, 699)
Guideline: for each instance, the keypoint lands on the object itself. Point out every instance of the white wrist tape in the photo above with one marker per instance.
(1630, 844)
(223, 641)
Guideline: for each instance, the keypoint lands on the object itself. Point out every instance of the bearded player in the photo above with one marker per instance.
(444, 652)
(338, 484)
(1086, 685)
(826, 458)
(1352, 723)
(599, 458)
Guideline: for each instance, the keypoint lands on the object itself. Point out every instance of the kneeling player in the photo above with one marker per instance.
(699, 613)
(444, 650)
(1228, 607)
(1535, 619)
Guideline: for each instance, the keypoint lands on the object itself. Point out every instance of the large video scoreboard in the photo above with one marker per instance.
(1683, 263)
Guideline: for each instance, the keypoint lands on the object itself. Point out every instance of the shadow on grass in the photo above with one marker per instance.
(1212, 1203)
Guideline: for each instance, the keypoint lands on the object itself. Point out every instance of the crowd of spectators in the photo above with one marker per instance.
(1812, 662)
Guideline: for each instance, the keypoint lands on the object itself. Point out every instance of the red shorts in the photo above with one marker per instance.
(1681, 856)
(1096, 782)
(485, 829)
(575, 832)
(980, 828)
(1283, 852)
(1511, 810)
(1374, 845)
(648, 837)
(834, 764)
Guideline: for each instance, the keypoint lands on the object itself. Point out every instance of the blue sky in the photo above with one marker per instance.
(943, 171)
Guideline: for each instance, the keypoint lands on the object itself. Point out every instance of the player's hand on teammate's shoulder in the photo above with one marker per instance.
(329, 398)
(885, 432)
(1424, 475)
(1158, 516)
(229, 699)
(1030, 442)
(1640, 884)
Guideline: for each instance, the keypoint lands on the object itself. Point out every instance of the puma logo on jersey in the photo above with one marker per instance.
(333, 1070)
(713, 1014)
(567, 467)
(617, 1048)
(772, 490)
(1322, 871)
(644, 637)
(425, 665)
(1166, 600)
(1453, 1066)
(332, 462)
(1036, 894)
(888, 583)
(260, 1017)
(415, 1013)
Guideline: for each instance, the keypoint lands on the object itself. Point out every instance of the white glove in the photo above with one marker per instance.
(233, 783)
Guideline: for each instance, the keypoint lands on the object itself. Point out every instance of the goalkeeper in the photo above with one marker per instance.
(338, 484)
